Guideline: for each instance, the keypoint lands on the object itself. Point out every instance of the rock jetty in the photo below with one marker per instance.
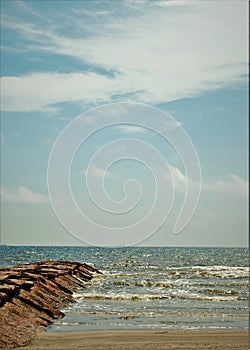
(31, 296)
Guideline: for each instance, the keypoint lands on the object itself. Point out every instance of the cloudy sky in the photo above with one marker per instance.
(60, 59)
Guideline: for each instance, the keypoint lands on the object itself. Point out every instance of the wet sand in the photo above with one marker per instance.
(138, 340)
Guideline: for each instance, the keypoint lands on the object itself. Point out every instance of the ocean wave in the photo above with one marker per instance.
(144, 283)
(222, 271)
(113, 282)
(222, 291)
(113, 296)
(213, 271)
(156, 313)
(146, 297)
(66, 323)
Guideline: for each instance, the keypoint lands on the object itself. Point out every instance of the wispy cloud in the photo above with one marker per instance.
(179, 179)
(39, 91)
(167, 3)
(22, 195)
(98, 172)
(165, 53)
(131, 129)
(233, 184)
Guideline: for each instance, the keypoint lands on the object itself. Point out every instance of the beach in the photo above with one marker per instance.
(138, 298)
(137, 340)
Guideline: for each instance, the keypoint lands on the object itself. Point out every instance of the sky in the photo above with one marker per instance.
(132, 62)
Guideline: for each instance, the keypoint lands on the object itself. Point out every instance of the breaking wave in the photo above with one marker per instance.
(147, 297)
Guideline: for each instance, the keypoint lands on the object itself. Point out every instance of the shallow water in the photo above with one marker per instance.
(149, 288)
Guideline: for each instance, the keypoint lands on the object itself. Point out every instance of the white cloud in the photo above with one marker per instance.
(40, 90)
(131, 128)
(22, 195)
(173, 3)
(180, 180)
(166, 52)
(98, 172)
(234, 184)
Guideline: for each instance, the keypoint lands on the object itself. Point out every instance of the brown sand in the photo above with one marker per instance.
(140, 340)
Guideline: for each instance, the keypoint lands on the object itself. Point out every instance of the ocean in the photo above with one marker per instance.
(151, 287)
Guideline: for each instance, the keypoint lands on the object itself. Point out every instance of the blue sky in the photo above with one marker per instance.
(60, 59)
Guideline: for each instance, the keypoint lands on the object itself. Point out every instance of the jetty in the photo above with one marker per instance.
(32, 295)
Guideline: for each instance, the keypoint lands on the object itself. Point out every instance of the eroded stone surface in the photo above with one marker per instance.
(31, 296)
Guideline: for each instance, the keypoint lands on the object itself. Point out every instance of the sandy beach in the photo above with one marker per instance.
(137, 340)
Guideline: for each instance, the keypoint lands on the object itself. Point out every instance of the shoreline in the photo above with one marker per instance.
(140, 339)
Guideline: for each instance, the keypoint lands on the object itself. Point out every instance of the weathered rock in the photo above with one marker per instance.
(19, 283)
(31, 296)
(3, 298)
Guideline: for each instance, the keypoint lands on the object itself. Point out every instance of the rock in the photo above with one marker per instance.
(31, 296)
(9, 290)
(3, 298)
(19, 283)
(41, 304)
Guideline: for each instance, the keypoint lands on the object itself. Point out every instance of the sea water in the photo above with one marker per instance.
(151, 287)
